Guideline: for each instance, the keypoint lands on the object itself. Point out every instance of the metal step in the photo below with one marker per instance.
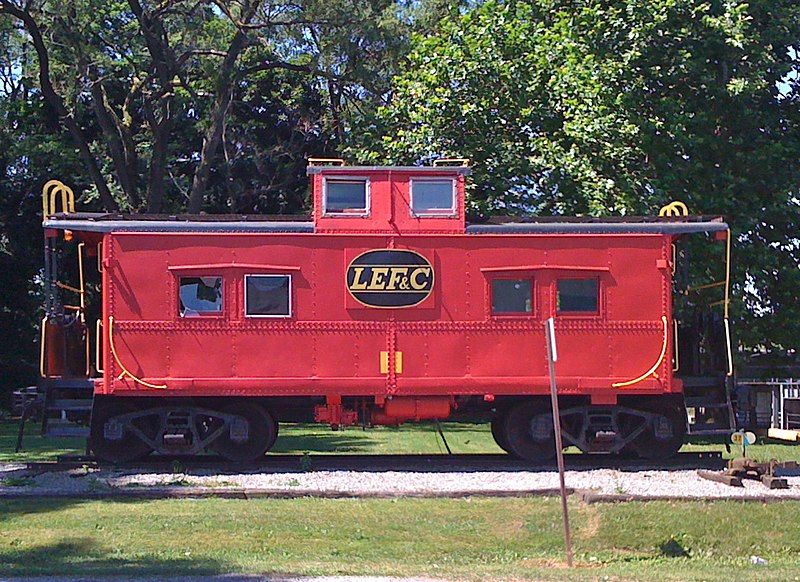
(690, 382)
(66, 431)
(65, 401)
(703, 402)
(709, 431)
(67, 384)
(71, 405)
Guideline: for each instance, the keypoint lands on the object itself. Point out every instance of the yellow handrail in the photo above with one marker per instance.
(676, 357)
(655, 366)
(50, 193)
(125, 372)
(98, 336)
(674, 257)
(43, 335)
(82, 285)
(727, 301)
(675, 208)
(728, 344)
(82, 312)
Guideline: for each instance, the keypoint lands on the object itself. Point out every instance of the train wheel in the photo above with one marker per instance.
(529, 431)
(262, 430)
(664, 436)
(114, 442)
(498, 431)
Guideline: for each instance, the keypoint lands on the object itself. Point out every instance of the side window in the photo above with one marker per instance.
(268, 295)
(512, 297)
(578, 296)
(346, 196)
(200, 296)
(433, 197)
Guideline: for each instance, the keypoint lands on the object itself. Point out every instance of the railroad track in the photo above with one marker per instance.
(282, 463)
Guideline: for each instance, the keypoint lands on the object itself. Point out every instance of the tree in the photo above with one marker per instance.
(133, 71)
(148, 106)
(29, 153)
(616, 108)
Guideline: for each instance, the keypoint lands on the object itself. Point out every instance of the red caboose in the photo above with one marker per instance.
(385, 306)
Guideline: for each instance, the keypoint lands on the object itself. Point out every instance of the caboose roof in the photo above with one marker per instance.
(598, 225)
(417, 170)
(250, 223)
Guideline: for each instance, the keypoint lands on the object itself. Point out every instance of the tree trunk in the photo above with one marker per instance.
(213, 135)
(118, 146)
(158, 164)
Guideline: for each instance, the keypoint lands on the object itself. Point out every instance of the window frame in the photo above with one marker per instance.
(512, 314)
(290, 314)
(578, 314)
(444, 212)
(360, 213)
(205, 314)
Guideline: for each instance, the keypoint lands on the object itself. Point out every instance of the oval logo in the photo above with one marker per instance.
(390, 278)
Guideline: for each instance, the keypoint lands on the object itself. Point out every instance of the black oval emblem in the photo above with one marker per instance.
(390, 278)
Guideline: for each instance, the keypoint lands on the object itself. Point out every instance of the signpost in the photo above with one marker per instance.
(743, 438)
(552, 357)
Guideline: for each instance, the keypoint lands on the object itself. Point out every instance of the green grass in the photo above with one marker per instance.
(473, 539)
(35, 448)
(292, 439)
(17, 482)
(405, 439)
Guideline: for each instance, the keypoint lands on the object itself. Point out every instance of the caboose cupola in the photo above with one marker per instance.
(388, 199)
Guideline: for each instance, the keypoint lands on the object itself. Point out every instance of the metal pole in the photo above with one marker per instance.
(552, 357)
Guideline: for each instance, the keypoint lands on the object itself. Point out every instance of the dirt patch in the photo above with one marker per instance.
(591, 523)
(503, 528)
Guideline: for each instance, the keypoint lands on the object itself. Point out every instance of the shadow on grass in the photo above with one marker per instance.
(81, 556)
(13, 508)
(34, 446)
(315, 438)
(334, 442)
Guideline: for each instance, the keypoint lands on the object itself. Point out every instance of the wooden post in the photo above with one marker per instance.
(552, 357)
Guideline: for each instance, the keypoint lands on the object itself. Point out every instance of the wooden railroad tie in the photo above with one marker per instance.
(744, 468)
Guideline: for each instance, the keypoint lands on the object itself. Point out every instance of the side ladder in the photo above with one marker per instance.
(66, 407)
(708, 405)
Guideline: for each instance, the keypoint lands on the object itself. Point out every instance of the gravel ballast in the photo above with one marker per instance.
(16, 480)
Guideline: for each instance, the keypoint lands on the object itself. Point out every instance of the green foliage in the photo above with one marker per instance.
(29, 154)
(565, 107)
(617, 108)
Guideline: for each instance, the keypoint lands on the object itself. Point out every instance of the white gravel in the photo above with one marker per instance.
(664, 483)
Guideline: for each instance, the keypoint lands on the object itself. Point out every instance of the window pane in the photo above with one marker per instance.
(511, 296)
(577, 295)
(432, 196)
(200, 295)
(267, 295)
(345, 195)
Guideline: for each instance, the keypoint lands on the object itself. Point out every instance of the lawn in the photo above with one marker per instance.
(475, 539)
(405, 439)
